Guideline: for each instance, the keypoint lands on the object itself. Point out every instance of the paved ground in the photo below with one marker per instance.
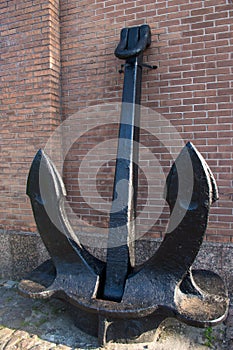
(42, 325)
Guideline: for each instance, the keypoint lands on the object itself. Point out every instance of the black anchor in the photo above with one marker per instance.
(117, 300)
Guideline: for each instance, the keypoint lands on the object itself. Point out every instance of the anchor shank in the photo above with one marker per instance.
(120, 253)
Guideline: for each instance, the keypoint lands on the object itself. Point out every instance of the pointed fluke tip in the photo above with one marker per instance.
(213, 185)
(43, 171)
(33, 175)
(198, 163)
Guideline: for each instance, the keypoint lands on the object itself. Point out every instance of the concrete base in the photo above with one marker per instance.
(21, 252)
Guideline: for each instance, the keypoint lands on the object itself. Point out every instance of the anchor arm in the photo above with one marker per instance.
(47, 192)
(166, 276)
(191, 189)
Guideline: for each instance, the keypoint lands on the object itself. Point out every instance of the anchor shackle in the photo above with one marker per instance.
(133, 41)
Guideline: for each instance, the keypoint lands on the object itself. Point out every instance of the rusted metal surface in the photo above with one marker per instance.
(116, 300)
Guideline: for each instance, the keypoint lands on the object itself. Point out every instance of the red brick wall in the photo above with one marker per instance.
(29, 73)
(192, 89)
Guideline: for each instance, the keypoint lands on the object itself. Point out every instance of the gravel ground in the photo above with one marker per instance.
(46, 324)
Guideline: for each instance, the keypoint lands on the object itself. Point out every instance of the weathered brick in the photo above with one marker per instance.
(25, 94)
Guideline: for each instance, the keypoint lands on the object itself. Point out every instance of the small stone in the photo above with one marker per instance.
(9, 284)
(82, 344)
(51, 338)
(2, 282)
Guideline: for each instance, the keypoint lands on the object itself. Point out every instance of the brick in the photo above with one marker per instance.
(197, 73)
(217, 29)
(193, 33)
(204, 79)
(203, 25)
(201, 38)
(194, 101)
(193, 87)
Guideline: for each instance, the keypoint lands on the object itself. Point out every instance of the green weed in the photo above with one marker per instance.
(209, 337)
